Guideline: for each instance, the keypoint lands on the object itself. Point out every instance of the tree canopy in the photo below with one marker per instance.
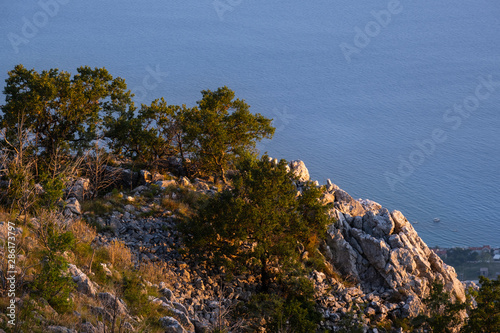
(485, 317)
(222, 129)
(152, 135)
(443, 314)
(63, 112)
(261, 221)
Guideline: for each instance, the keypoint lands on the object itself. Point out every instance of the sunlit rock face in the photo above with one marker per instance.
(382, 252)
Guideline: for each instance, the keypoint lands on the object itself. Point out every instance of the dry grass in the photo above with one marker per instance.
(83, 304)
(119, 253)
(83, 232)
(5, 215)
(175, 206)
(156, 272)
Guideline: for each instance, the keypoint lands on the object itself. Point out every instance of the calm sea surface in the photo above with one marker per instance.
(397, 102)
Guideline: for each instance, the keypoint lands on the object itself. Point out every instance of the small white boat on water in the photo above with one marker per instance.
(436, 219)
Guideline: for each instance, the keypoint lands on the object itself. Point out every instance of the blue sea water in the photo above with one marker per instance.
(357, 107)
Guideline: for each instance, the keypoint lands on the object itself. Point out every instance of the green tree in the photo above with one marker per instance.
(63, 112)
(292, 309)
(443, 314)
(18, 168)
(221, 129)
(52, 283)
(485, 317)
(260, 222)
(151, 136)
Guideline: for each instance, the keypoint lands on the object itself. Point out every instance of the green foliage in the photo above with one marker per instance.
(459, 256)
(97, 206)
(216, 133)
(350, 323)
(21, 192)
(62, 111)
(222, 129)
(153, 135)
(28, 320)
(83, 253)
(53, 190)
(260, 221)
(290, 310)
(135, 296)
(443, 314)
(50, 283)
(486, 316)
(68, 114)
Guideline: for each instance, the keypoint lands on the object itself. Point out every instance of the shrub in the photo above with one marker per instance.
(292, 309)
(486, 316)
(50, 283)
(443, 314)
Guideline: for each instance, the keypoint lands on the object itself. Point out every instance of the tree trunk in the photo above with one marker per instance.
(222, 173)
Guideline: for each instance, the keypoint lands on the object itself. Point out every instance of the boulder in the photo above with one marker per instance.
(340, 253)
(346, 204)
(78, 189)
(399, 221)
(72, 208)
(167, 293)
(171, 325)
(200, 327)
(369, 205)
(110, 301)
(375, 250)
(124, 178)
(331, 187)
(163, 184)
(87, 327)
(83, 283)
(412, 307)
(144, 177)
(201, 185)
(378, 225)
(184, 181)
(140, 189)
(327, 198)
(182, 318)
(299, 169)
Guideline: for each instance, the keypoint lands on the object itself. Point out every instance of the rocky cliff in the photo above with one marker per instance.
(381, 252)
(385, 269)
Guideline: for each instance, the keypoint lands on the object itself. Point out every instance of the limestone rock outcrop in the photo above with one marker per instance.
(382, 252)
(299, 169)
(83, 283)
